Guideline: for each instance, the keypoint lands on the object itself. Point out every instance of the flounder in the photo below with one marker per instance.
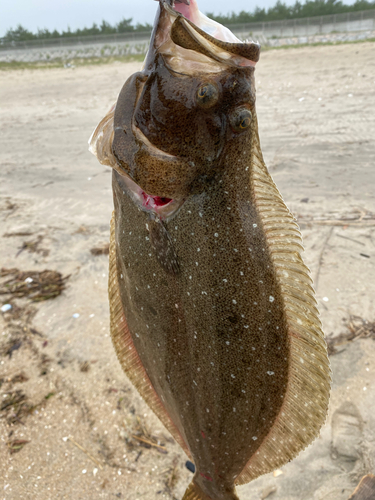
(213, 314)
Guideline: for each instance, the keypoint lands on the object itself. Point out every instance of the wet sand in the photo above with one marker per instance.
(61, 386)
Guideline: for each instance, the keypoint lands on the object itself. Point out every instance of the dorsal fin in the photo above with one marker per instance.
(306, 400)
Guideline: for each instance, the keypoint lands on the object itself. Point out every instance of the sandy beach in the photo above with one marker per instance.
(71, 425)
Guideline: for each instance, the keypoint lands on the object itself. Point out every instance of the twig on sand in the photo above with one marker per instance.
(96, 462)
(146, 441)
(357, 218)
(350, 239)
(358, 328)
(316, 281)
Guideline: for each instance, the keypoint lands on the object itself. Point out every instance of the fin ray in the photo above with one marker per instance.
(305, 403)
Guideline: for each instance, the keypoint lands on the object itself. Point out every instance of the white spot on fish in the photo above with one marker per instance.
(232, 375)
(254, 438)
(270, 373)
(234, 301)
(255, 225)
(271, 299)
(216, 235)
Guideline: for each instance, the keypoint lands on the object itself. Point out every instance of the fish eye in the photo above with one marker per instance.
(241, 119)
(207, 95)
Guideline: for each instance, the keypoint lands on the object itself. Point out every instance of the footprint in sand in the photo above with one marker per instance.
(347, 427)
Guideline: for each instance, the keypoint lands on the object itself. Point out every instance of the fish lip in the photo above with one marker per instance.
(147, 202)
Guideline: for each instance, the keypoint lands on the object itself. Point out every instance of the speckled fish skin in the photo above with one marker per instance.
(213, 315)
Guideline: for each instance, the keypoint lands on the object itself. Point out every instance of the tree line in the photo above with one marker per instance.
(310, 8)
(280, 10)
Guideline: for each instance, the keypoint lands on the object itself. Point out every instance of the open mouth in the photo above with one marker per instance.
(162, 207)
(154, 202)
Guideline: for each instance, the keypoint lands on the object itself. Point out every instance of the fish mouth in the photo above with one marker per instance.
(188, 40)
(160, 207)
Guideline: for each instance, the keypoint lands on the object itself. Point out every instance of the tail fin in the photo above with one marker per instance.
(194, 492)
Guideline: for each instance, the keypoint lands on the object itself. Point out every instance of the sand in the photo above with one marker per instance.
(316, 116)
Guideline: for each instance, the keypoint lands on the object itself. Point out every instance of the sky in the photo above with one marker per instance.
(59, 14)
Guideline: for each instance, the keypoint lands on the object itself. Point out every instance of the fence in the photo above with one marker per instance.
(137, 42)
(308, 26)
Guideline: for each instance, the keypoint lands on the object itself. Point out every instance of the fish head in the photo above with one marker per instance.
(174, 120)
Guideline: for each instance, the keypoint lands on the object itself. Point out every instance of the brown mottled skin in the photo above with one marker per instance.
(212, 336)
(213, 314)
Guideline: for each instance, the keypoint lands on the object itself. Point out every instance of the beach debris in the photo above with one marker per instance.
(33, 246)
(358, 328)
(277, 473)
(93, 459)
(11, 346)
(6, 308)
(82, 230)
(149, 443)
(19, 378)
(365, 490)
(355, 218)
(15, 406)
(84, 366)
(75, 315)
(16, 445)
(190, 466)
(103, 250)
(17, 233)
(35, 285)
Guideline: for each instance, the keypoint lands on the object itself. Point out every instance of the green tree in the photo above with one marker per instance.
(125, 26)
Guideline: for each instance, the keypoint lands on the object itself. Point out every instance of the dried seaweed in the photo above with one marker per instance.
(33, 246)
(35, 285)
(15, 406)
(358, 328)
(16, 445)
